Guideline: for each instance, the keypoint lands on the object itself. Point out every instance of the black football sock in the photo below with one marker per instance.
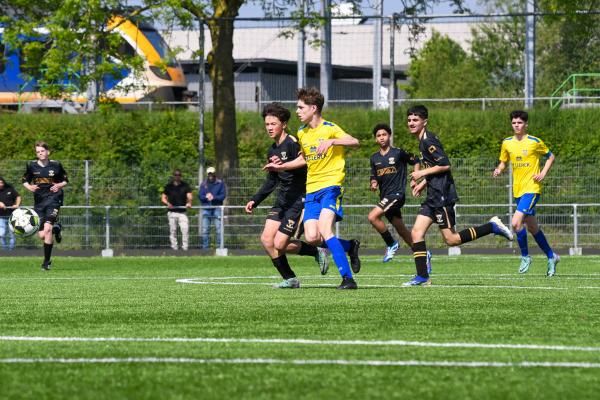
(387, 238)
(307, 250)
(47, 252)
(282, 265)
(470, 234)
(420, 255)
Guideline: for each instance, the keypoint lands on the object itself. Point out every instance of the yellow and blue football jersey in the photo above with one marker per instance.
(525, 157)
(327, 169)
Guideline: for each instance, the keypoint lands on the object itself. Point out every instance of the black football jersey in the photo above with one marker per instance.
(440, 187)
(292, 183)
(389, 171)
(45, 178)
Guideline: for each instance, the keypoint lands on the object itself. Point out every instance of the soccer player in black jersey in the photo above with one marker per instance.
(388, 173)
(46, 179)
(438, 206)
(284, 220)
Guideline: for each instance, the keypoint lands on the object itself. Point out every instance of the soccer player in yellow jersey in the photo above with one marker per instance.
(322, 144)
(525, 152)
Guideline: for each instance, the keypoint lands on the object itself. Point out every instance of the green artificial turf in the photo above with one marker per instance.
(474, 300)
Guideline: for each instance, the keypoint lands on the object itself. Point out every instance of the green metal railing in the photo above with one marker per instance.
(573, 88)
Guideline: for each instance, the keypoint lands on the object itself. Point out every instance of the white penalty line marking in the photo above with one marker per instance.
(271, 361)
(219, 281)
(402, 343)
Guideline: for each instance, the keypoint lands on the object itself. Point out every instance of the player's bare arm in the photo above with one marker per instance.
(540, 177)
(413, 181)
(437, 169)
(348, 141)
(374, 185)
(57, 186)
(499, 169)
(276, 164)
(416, 191)
(30, 187)
(249, 207)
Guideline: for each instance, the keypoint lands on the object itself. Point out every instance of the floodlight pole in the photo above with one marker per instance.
(392, 90)
(201, 106)
(530, 54)
(325, 72)
(377, 50)
(301, 65)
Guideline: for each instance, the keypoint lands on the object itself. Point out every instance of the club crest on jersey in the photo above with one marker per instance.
(51, 172)
(432, 149)
(392, 160)
(284, 155)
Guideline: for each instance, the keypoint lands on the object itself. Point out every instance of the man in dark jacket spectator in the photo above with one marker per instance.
(212, 194)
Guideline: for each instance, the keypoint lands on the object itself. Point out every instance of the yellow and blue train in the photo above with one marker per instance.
(154, 82)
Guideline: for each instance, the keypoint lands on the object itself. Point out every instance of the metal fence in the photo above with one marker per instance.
(118, 206)
(93, 183)
(567, 226)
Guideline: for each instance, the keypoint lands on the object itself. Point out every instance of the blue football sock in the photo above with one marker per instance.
(522, 239)
(345, 244)
(339, 256)
(540, 238)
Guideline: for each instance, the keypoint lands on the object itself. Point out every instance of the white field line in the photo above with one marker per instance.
(210, 281)
(592, 276)
(270, 361)
(396, 343)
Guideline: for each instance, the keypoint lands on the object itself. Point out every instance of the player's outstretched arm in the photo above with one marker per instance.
(345, 140)
(438, 169)
(276, 165)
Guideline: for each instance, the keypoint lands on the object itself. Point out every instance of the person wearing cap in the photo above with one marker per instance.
(212, 194)
(10, 200)
(177, 196)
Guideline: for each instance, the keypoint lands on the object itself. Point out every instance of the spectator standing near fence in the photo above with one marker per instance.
(10, 200)
(177, 196)
(46, 179)
(212, 195)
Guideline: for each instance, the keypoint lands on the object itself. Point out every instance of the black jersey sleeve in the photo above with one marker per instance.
(265, 190)
(28, 175)
(62, 174)
(436, 152)
(373, 169)
(408, 158)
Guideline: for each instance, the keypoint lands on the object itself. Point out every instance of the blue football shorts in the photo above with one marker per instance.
(527, 202)
(328, 198)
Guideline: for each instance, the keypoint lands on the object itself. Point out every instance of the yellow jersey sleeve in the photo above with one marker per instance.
(504, 154)
(324, 170)
(542, 149)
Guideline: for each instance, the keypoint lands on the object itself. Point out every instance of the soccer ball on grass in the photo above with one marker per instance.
(24, 222)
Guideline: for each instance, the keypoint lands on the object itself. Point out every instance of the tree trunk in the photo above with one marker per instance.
(221, 70)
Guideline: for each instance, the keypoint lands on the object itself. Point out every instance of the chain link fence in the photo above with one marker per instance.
(112, 206)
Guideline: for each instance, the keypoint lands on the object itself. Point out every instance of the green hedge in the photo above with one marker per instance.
(149, 139)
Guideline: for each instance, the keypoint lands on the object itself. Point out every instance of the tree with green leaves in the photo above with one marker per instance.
(498, 47)
(566, 44)
(442, 69)
(78, 46)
